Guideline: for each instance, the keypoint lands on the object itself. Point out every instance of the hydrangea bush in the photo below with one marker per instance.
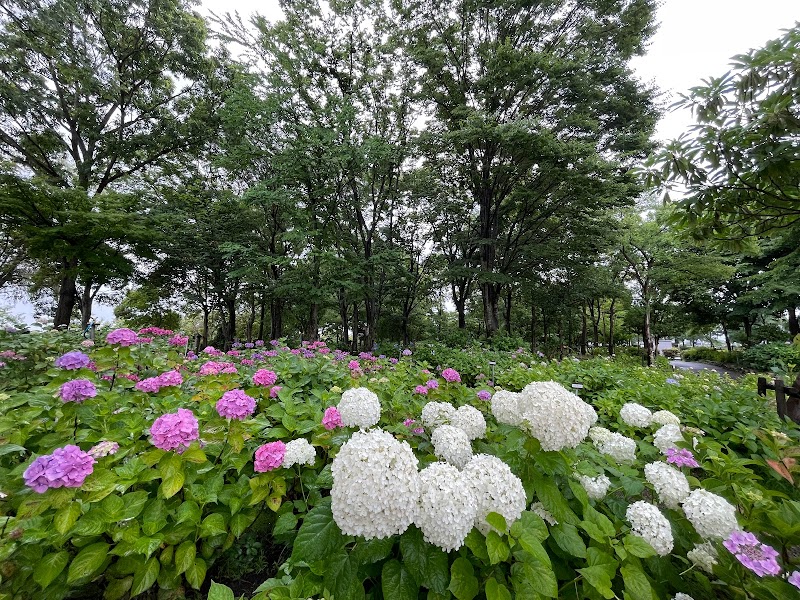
(135, 468)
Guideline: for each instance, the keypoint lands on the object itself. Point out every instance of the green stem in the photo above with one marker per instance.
(224, 443)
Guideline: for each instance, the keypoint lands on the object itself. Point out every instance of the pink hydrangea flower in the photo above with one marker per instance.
(247, 362)
(151, 385)
(409, 422)
(681, 457)
(65, 467)
(353, 365)
(87, 343)
(273, 391)
(421, 389)
(432, 384)
(175, 431)
(73, 360)
(451, 375)
(418, 430)
(169, 378)
(754, 555)
(332, 418)
(104, 448)
(235, 404)
(269, 456)
(178, 340)
(123, 337)
(77, 390)
(265, 377)
(484, 395)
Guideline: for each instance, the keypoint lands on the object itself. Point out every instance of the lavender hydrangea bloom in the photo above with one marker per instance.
(484, 395)
(174, 431)
(170, 378)
(235, 404)
(123, 337)
(73, 360)
(754, 555)
(681, 457)
(794, 579)
(65, 467)
(77, 390)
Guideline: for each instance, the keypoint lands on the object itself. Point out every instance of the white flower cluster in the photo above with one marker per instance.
(447, 506)
(598, 435)
(704, 556)
(437, 413)
(670, 484)
(666, 437)
(555, 416)
(682, 596)
(376, 485)
(622, 449)
(539, 509)
(451, 444)
(636, 415)
(665, 417)
(359, 407)
(505, 408)
(496, 489)
(299, 452)
(596, 487)
(469, 420)
(712, 516)
(648, 523)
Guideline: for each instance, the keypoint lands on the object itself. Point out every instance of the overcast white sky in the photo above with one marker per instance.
(695, 40)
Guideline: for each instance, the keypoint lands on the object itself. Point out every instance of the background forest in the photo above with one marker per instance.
(383, 173)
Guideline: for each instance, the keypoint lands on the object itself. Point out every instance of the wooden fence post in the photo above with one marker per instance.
(780, 398)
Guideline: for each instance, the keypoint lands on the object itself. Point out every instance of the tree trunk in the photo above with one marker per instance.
(343, 314)
(251, 320)
(727, 338)
(648, 336)
(261, 314)
(206, 318)
(533, 327)
(748, 329)
(509, 293)
(611, 328)
(462, 315)
(583, 329)
(66, 294)
(312, 329)
(370, 323)
(595, 322)
(490, 295)
(276, 318)
(354, 344)
(794, 326)
(87, 298)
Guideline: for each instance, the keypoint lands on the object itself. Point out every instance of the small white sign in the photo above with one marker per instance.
(577, 386)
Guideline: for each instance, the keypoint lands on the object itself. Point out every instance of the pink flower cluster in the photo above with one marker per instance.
(421, 389)
(332, 419)
(155, 331)
(451, 375)
(175, 430)
(104, 448)
(65, 467)
(265, 377)
(235, 404)
(154, 384)
(754, 555)
(211, 351)
(409, 423)
(73, 360)
(681, 457)
(269, 456)
(432, 384)
(178, 340)
(77, 390)
(10, 354)
(215, 368)
(87, 343)
(273, 391)
(123, 337)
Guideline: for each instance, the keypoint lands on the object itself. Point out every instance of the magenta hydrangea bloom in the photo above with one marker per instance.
(353, 365)
(77, 390)
(432, 384)
(123, 337)
(104, 448)
(73, 360)
(65, 467)
(265, 377)
(451, 375)
(409, 422)
(484, 395)
(269, 456)
(332, 418)
(151, 385)
(175, 431)
(794, 579)
(406, 352)
(421, 389)
(235, 404)
(273, 391)
(169, 378)
(178, 340)
(754, 555)
(418, 430)
(681, 457)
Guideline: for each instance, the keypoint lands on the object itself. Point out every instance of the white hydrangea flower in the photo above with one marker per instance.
(636, 415)
(437, 413)
(665, 417)
(670, 484)
(712, 516)
(555, 416)
(447, 506)
(470, 420)
(648, 523)
(599, 434)
(539, 509)
(619, 447)
(666, 437)
(505, 408)
(376, 485)
(299, 452)
(451, 444)
(596, 487)
(496, 489)
(359, 407)
(682, 596)
(704, 556)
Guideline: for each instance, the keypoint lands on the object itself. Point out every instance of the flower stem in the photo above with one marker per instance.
(224, 443)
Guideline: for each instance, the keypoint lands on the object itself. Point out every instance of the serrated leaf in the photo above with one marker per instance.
(533, 575)
(196, 573)
(496, 547)
(341, 576)
(184, 556)
(112, 507)
(569, 540)
(428, 565)
(397, 583)
(497, 521)
(217, 591)
(638, 546)
(145, 577)
(87, 561)
(496, 591)
(532, 523)
(49, 567)
(318, 536)
(92, 523)
(134, 503)
(66, 517)
(189, 512)
(463, 583)
(154, 517)
(172, 484)
(286, 523)
(240, 522)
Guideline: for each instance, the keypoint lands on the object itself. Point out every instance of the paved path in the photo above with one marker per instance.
(698, 366)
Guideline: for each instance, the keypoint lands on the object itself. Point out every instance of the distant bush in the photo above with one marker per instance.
(767, 357)
(712, 355)
(671, 353)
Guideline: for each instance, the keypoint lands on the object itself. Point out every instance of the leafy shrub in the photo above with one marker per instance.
(711, 355)
(765, 357)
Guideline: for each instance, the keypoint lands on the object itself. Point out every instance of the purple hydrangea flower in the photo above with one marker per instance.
(249, 345)
(169, 378)
(175, 431)
(409, 422)
(151, 385)
(265, 377)
(273, 391)
(393, 360)
(421, 389)
(259, 343)
(484, 395)
(65, 467)
(451, 375)
(754, 555)
(672, 381)
(681, 457)
(418, 430)
(269, 456)
(332, 418)
(432, 384)
(73, 360)
(235, 404)
(77, 390)
(794, 579)
(406, 352)
(123, 337)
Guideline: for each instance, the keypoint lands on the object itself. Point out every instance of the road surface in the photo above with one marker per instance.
(698, 366)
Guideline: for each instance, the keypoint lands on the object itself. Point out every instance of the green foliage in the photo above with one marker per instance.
(767, 358)
(714, 355)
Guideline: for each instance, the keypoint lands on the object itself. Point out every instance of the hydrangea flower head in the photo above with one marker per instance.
(406, 352)
(670, 484)
(269, 456)
(636, 415)
(681, 457)
(432, 384)
(73, 360)
(332, 419)
(665, 417)
(122, 337)
(451, 375)
(712, 516)
(298, 452)
(447, 506)
(469, 420)
(794, 579)
(666, 437)
(149, 385)
(273, 391)
(175, 431)
(77, 390)
(265, 377)
(65, 467)
(506, 408)
(178, 340)
(236, 404)
(596, 487)
(359, 407)
(435, 414)
(754, 555)
(555, 416)
(87, 343)
(484, 395)
(421, 389)
(452, 445)
(104, 448)
(496, 489)
(170, 378)
(648, 523)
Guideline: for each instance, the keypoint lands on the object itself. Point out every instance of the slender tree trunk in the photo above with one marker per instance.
(748, 329)
(67, 294)
(370, 323)
(251, 320)
(794, 326)
(355, 327)
(87, 298)
(727, 337)
(648, 336)
(261, 314)
(312, 329)
(276, 318)
(230, 334)
(343, 314)
(206, 318)
(611, 328)
(462, 315)
(595, 322)
(533, 327)
(583, 329)
(509, 294)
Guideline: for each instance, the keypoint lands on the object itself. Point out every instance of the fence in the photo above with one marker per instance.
(787, 398)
